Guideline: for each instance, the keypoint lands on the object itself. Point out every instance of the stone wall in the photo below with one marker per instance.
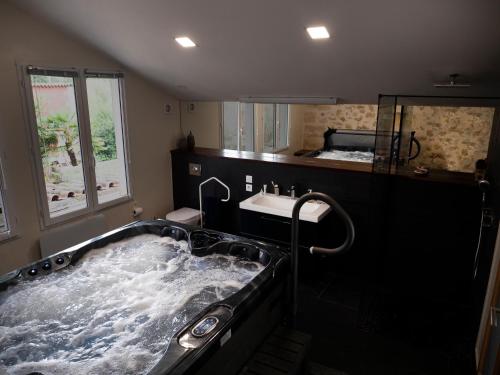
(452, 138)
(317, 118)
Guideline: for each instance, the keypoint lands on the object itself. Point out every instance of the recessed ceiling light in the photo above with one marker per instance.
(318, 32)
(185, 42)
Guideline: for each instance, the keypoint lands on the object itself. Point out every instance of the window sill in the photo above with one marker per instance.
(8, 236)
(88, 212)
(278, 150)
(113, 203)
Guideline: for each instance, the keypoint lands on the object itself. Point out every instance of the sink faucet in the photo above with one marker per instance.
(292, 191)
(276, 188)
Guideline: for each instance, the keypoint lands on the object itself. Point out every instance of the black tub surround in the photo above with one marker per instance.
(178, 300)
(409, 268)
(347, 145)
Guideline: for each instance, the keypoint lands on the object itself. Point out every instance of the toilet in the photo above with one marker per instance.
(185, 215)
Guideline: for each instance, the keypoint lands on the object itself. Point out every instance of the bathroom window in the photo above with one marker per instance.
(8, 221)
(268, 122)
(4, 226)
(108, 138)
(79, 140)
(4, 223)
(255, 127)
(282, 126)
(238, 126)
(275, 122)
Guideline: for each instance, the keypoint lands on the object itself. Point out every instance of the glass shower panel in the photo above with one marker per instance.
(384, 140)
(404, 145)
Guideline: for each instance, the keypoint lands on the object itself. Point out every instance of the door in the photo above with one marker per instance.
(488, 339)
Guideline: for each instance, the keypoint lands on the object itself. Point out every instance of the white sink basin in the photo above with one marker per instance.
(281, 205)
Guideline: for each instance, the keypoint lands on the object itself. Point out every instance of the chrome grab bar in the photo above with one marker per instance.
(200, 198)
(315, 249)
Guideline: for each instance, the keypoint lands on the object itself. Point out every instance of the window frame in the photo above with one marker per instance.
(273, 124)
(87, 153)
(239, 128)
(91, 73)
(7, 205)
(276, 130)
(276, 122)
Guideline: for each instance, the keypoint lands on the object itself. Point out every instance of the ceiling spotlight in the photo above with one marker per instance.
(185, 42)
(318, 32)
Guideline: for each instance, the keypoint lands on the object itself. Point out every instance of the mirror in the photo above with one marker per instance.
(446, 136)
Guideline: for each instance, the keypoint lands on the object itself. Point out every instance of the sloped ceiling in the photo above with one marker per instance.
(260, 47)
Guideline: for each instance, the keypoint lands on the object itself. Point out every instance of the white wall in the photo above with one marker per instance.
(296, 129)
(25, 39)
(204, 122)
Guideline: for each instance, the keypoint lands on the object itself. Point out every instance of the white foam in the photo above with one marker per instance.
(359, 156)
(115, 311)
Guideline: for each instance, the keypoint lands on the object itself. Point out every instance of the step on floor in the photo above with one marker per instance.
(283, 352)
(313, 368)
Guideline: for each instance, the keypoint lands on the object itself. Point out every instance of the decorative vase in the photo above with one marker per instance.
(190, 141)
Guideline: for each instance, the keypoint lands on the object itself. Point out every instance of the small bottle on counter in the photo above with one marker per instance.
(190, 141)
(480, 171)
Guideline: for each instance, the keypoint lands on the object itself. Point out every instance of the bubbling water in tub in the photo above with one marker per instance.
(358, 156)
(115, 311)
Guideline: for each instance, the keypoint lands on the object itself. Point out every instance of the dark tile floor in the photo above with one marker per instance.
(362, 329)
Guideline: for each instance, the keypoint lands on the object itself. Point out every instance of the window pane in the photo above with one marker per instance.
(246, 127)
(59, 139)
(3, 220)
(268, 122)
(282, 126)
(106, 126)
(230, 121)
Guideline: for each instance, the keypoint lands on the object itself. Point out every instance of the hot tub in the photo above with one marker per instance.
(149, 298)
(346, 145)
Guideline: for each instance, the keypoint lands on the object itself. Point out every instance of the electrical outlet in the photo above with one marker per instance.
(248, 179)
(249, 187)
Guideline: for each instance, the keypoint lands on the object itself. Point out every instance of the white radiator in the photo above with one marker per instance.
(61, 238)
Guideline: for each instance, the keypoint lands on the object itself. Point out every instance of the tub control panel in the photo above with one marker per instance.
(205, 326)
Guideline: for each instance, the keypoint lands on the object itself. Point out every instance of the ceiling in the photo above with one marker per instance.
(260, 47)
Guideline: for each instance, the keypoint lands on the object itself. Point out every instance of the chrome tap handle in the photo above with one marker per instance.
(276, 188)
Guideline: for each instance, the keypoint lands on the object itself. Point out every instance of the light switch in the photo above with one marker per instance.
(249, 187)
(248, 179)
